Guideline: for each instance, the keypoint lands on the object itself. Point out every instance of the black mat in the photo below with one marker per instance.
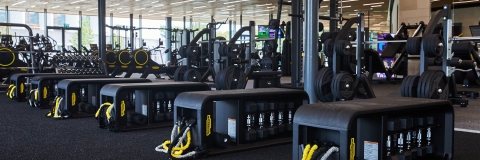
(25, 133)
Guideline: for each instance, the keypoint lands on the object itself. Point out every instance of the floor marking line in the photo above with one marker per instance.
(467, 130)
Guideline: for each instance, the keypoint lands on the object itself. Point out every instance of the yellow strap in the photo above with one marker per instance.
(36, 94)
(312, 150)
(11, 92)
(109, 109)
(55, 108)
(305, 152)
(9, 89)
(30, 94)
(177, 151)
(99, 108)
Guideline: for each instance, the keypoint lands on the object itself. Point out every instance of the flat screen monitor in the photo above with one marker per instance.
(265, 32)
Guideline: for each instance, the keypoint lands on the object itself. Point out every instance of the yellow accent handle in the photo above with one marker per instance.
(122, 106)
(352, 149)
(11, 92)
(74, 98)
(99, 108)
(45, 92)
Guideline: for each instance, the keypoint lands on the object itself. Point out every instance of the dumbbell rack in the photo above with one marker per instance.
(81, 97)
(229, 117)
(152, 101)
(361, 128)
(79, 64)
(22, 88)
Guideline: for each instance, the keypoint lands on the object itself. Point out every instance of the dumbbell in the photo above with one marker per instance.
(169, 98)
(159, 116)
(250, 110)
(281, 108)
(262, 131)
(290, 106)
(273, 128)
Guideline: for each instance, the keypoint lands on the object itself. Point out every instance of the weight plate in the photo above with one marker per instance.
(435, 85)
(221, 50)
(232, 51)
(422, 83)
(322, 85)
(433, 45)
(182, 51)
(343, 86)
(218, 79)
(349, 64)
(404, 88)
(140, 57)
(320, 26)
(413, 45)
(343, 47)
(192, 75)
(179, 72)
(412, 86)
(7, 57)
(352, 36)
(273, 24)
(329, 44)
(325, 35)
(232, 78)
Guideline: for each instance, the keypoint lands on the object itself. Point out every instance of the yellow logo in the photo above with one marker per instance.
(122, 106)
(209, 125)
(111, 66)
(139, 67)
(124, 66)
(74, 98)
(155, 67)
(23, 69)
(45, 92)
(21, 87)
(352, 149)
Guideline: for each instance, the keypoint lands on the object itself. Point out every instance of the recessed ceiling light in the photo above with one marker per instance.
(33, 6)
(18, 3)
(114, 5)
(92, 9)
(77, 1)
(45, 3)
(211, 1)
(158, 5)
(371, 4)
(230, 6)
(345, 7)
(77, 7)
(376, 6)
(465, 2)
(199, 7)
(123, 11)
(139, 9)
(55, 6)
(237, 1)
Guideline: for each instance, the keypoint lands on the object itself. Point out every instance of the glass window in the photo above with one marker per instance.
(59, 19)
(3, 18)
(33, 18)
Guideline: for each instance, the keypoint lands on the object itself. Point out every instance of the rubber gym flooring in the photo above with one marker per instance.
(25, 133)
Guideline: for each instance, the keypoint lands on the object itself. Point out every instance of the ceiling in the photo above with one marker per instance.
(201, 10)
(462, 3)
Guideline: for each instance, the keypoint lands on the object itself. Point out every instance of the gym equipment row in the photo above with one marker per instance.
(19, 88)
(133, 106)
(368, 129)
(81, 97)
(215, 122)
(138, 61)
(44, 88)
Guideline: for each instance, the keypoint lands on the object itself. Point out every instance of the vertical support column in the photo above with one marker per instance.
(168, 22)
(191, 22)
(45, 22)
(333, 15)
(101, 30)
(234, 26)
(140, 39)
(7, 15)
(183, 34)
(80, 32)
(112, 41)
(241, 19)
(311, 51)
(230, 30)
(271, 16)
(211, 40)
(252, 44)
(132, 43)
(296, 43)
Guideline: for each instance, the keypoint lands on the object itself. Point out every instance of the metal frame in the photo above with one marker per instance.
(63, 29)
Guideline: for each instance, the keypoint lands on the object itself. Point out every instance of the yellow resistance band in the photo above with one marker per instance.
(100, 108)
(11, 92)
(177, 151)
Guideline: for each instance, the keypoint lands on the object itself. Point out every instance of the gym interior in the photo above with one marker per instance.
(240, 79)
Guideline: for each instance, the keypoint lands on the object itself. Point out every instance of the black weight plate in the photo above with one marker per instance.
(422, 83)
(322, 85)
(192, 75)
(404, 88)
(343, 86)
(413, 45)
(182, 51)
(349, 64)
(431, 45)
(353, 36)
(140, 57)
(179, 72)
(343, 47)
(233, 51)
(221, 50)
(325, 35)
(412, 86)
(320, 26)
(437, 81)
(218, 79)
(7, 57)
(234, 78)
(329, 44)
